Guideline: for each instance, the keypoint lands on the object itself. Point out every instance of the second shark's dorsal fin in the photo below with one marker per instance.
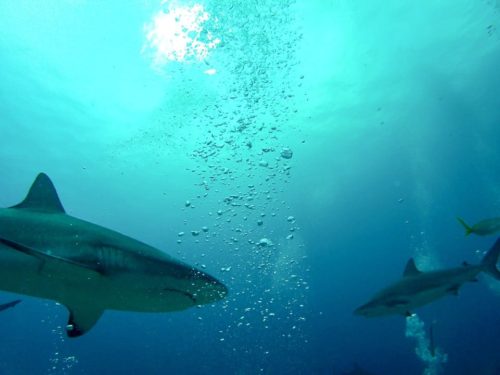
(411, 269)
(42, 196)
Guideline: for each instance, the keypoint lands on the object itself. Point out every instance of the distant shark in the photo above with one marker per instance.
(417, 288)
(47, 253)
(8, 305)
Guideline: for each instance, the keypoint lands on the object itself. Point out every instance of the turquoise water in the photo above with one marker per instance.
(347, 134)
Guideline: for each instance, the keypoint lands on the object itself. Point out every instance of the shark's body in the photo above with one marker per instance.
(482, 228)
(8, 305)
(417, 288)
(48, 254)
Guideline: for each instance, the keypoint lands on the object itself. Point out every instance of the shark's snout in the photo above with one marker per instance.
(208, 289)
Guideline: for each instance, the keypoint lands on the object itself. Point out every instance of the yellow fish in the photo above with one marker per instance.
(482, 228)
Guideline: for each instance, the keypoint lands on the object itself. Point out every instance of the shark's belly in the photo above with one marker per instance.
(427, 296)
(131, 292)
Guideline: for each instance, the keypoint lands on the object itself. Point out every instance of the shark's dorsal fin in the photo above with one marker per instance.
(81, 319)
(411, 269)
(42, 196)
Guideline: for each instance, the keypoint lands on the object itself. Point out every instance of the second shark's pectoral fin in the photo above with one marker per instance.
(81, 320)
(43, 256)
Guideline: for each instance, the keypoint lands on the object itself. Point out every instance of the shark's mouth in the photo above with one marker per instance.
(187, 294)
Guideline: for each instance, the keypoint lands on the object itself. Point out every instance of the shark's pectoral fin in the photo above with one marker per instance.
(81, 320)
(43, 256)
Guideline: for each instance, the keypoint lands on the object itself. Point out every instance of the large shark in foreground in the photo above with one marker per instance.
(417, 288)
(47, 253)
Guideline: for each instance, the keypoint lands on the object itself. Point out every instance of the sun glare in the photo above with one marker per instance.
(176, 33)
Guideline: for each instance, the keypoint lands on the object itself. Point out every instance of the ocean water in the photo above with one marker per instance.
(348, 135)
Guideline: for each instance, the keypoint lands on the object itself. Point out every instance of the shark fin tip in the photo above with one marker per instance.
(411, 269)
(42, 196)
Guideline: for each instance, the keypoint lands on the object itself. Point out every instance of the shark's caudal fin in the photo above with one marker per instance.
(42, 196)
(490, 260)
(468, 229)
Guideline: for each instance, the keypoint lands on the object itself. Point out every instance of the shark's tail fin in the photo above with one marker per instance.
(491, 259)
(468, 229)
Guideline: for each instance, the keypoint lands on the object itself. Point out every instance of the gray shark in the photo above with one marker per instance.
(49, 254)
(417, 288)
(8, 305)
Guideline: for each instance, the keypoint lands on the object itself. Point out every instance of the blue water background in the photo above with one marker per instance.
(393, 116)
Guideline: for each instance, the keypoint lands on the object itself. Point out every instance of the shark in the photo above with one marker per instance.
(417, 288)
(8, 305)
(49, 254)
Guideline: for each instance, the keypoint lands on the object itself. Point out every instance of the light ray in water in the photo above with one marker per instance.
(179, 33)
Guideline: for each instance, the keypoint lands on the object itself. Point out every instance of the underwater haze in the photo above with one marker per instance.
(300, 151)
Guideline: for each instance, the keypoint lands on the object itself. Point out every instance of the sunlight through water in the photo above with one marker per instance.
(177, 33)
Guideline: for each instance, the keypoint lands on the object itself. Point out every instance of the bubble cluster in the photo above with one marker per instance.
(236, 129)
(60, 362)
(432, 356)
